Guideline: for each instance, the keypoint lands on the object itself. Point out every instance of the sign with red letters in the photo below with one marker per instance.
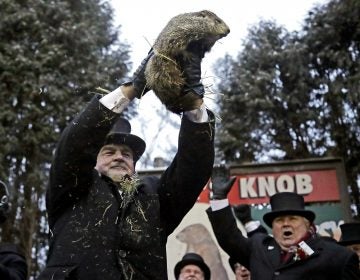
(318, 180)
(256, 188)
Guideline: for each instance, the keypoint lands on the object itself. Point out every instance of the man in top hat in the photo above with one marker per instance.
(12, 261)
(192, 267)
(105, 222)
(350, 237)
(293, 252)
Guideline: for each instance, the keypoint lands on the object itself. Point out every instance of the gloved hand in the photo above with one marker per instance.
(191, 66)
(138, 80)
(243, 213)
(220, 191)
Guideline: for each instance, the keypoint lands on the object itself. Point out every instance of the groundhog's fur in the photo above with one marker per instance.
(163, 72)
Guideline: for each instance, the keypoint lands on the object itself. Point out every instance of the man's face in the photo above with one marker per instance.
(289, 229)
(115, 161)
(241, 272)
(191, 272)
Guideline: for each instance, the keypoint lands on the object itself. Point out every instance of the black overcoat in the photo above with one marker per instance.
(94, 234)
(12, 263)
(261, 254)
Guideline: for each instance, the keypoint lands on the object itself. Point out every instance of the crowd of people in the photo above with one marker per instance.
(107, 223)
(292, 251)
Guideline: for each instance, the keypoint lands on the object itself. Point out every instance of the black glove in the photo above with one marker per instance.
(243, 213)
(138, 80)
(221, 191)
(221, 184)
(191, 66)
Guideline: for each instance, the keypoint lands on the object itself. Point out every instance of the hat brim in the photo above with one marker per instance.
(349, 242)
(232, 263)
(135, 143)
(200, 264)
(269, 217)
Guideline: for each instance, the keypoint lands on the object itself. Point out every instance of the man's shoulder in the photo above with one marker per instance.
(330, 246)
(266, 240)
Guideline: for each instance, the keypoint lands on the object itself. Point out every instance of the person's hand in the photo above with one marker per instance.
(220, 191)
(192, 92)
(138, 80)
(191, 67)
(243, 213)
(192, 73)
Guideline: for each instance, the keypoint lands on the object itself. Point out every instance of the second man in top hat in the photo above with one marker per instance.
(192, 266)
(350, 237)
(293, 252)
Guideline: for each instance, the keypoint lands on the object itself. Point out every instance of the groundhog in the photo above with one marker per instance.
(163, 72)
(198, 240)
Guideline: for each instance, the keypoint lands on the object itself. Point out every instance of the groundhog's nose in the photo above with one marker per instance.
(226, 31)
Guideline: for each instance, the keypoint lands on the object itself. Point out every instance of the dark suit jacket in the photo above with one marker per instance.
(258, 230)
(261, 254)
(94, 233)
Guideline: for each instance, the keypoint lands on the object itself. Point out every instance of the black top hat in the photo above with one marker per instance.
(287, 203)
(350, 234)
(195, 259)
(120, 134)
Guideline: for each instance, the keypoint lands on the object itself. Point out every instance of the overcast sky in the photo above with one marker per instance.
(141, 22)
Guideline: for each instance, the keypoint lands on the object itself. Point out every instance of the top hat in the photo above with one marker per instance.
(350, 234)
(120, 134)
(195, 259)
(233, 263)
(287, 203)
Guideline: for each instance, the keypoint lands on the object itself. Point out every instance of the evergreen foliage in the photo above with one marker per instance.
(296, 95)
(53, 54)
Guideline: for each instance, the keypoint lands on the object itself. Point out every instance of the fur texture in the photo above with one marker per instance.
(163, 72)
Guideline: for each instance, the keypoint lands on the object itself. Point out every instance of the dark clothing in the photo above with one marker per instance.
(12, 263)
(259, 229)
(94, 233)
(262, 255)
